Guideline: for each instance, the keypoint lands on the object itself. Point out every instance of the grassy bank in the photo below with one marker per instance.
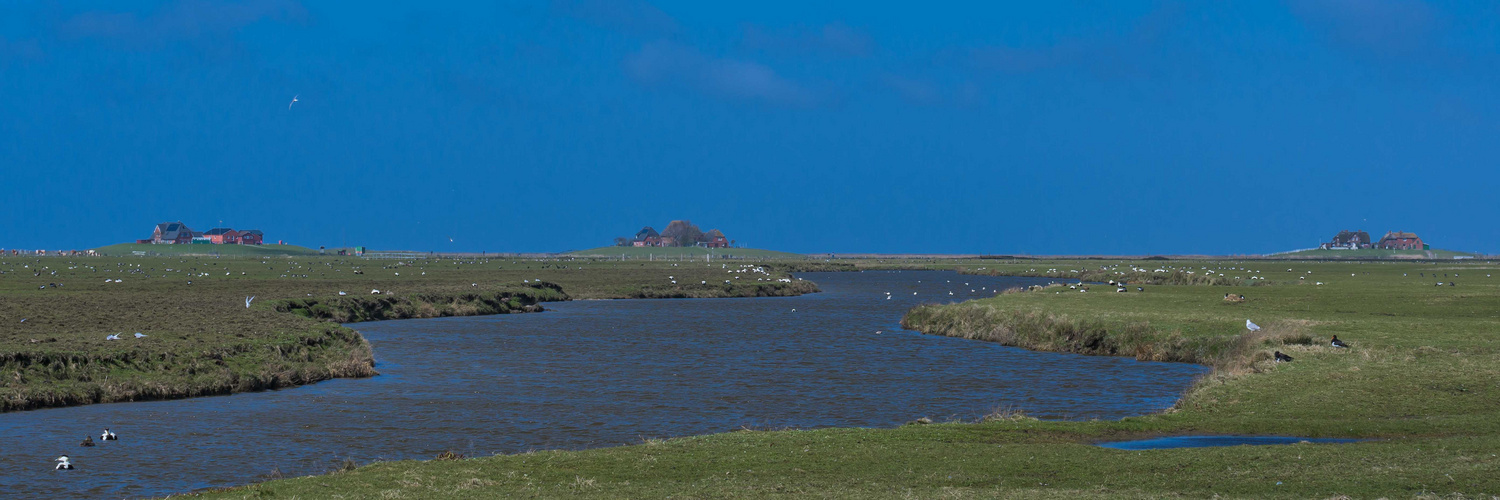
(1421, 381)
(129, 249)
(201, 339)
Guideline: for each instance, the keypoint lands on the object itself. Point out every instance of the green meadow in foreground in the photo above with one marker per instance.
(201, 339)
(1421, 383)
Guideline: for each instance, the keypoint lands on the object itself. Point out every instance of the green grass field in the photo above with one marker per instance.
(672, 253)
(127, 249)
(1422, 382)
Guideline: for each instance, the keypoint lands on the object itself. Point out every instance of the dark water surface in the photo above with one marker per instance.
(589, 374)
(1211, 441)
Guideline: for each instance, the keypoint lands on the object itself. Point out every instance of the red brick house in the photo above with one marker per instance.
(172, 233)
(647, 237)
(252, 237)
(715, 239)
(1400, 240)
(223, 236)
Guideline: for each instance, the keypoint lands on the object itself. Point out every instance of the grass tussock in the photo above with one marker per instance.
(73, 378)
(732, 289)
(353, 309)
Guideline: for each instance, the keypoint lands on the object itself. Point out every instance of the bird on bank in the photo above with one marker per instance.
(63, 463)
(1338, 343)
(108, 436)
(1282, 357)
(1252, 326)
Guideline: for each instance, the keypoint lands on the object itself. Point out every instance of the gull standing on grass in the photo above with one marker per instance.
(1252, 326)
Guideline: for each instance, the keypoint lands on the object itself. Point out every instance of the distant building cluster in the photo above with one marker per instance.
(177, 233)
(679, 233)
(1393, 240)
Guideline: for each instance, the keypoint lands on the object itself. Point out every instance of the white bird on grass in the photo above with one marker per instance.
(342, 293)
(1252, 326)
(113, 337)
(140, 335)
(248, 300)
(294, 101)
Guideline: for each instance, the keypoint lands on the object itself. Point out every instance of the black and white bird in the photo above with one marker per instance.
(108, 436)
(63, 464)
(1282, 357)
(1338, 343)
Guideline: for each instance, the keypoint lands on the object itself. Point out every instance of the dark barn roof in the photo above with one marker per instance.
(171, 230)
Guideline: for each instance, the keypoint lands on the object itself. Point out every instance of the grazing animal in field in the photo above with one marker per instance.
(63, 463)
(1282, 357)
(1252, 326)
(108, 436)
(1338, 343)
(87, 441)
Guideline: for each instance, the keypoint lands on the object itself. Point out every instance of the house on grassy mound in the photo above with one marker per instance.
(172, 233)
(679, 233)
(1348, 240)
(1401, 240)
(177, 233)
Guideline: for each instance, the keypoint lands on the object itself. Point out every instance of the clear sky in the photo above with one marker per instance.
(850, 126)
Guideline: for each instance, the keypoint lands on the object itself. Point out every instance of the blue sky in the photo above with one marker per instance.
(995, 127)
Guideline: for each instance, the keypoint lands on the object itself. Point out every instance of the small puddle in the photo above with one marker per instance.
(1208, 441)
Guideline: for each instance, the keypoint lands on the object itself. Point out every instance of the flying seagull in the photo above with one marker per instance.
(248, 300)
(1252, 326)
(294, 101)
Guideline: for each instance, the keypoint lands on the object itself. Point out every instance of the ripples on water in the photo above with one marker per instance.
(589, 374)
